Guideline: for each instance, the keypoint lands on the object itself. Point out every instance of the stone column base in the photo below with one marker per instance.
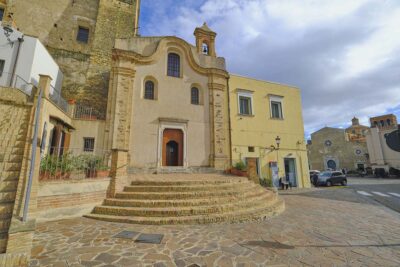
(118, 173)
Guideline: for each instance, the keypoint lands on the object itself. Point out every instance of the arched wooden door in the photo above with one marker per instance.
(172, 153)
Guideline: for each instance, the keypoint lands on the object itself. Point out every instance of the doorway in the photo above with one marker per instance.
(290, 171)
(172, 154)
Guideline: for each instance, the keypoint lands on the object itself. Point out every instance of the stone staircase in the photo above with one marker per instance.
(13, 132)
(189, 199)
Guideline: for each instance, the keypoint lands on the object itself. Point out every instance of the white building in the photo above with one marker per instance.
(383, 143)
(22, 59)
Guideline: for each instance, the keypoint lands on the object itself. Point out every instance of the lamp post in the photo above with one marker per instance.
(278, 142)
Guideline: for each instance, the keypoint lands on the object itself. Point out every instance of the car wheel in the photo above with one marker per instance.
(344, 182)
(328, 183)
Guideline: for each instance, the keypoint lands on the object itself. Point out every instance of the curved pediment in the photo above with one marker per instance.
(147, 50)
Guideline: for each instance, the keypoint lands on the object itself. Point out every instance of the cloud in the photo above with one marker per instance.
(344, 55)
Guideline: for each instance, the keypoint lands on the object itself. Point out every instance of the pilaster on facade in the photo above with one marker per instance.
(218, 122)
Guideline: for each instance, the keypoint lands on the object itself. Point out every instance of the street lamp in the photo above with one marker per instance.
(278, 141)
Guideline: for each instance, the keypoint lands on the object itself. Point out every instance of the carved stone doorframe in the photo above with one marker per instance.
(165, 123)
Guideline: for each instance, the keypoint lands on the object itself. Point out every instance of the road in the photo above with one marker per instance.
(384, 191)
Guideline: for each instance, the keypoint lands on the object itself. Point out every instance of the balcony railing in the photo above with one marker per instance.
(73, 163)
(15, 81)
(58, 100)
(88, 113)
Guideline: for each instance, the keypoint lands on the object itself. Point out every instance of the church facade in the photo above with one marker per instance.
(168, 103)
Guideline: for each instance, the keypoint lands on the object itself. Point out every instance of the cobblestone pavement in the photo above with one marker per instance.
(320, 227)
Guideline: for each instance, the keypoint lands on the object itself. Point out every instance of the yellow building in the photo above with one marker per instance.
(267, 127)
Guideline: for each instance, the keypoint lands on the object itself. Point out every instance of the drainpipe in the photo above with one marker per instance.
(229, 123)
(20, 41)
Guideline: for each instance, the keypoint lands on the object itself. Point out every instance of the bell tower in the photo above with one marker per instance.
(205, 40)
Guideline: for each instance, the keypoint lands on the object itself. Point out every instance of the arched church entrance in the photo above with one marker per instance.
(172, 147)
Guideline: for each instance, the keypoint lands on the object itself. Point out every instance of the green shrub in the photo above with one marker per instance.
(240, 165)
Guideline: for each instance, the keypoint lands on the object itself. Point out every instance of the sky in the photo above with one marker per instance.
(344, 55)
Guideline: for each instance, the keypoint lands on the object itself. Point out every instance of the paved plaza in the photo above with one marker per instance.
(320, 227)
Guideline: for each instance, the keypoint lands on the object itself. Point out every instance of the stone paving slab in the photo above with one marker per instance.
(319, 228)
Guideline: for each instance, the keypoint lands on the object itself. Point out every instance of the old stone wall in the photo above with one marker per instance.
(86, 66)
(15, 114)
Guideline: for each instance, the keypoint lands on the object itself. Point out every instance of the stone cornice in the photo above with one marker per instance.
(124, 71)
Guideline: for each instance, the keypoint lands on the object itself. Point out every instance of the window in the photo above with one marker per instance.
(1, 13)
(205, 49)
(149, 90)
(245, 105)
(382, 123)
(83, 35)
(2, 63)
(276, 110)
(174, 65)
(388, 122)
(88, 144)
(251, 148)
(195, 97)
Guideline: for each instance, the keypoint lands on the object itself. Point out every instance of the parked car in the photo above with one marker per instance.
(330, 178)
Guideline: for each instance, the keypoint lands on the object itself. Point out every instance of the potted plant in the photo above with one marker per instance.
(239, 169)
(103, 171)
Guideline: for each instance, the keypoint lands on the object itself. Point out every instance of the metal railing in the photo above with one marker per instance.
(57, 99)
(88, 113)
(67, 164)
(15, 81)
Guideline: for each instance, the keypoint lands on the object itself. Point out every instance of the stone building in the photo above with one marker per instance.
(383, 142)
(168, 103)
(356, 132)
(80, 35)
(334, 148)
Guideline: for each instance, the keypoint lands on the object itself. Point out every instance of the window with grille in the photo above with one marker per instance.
(1, 13)
(149, 90)
(174, 65)
(195, 97)
(245, 105)
(83, 35)
(251, 149)
(88, 144)
(2, 63)
(276, 110)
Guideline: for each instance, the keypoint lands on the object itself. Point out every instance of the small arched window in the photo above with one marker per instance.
(195, 96)
(204, 49)
(382, 123)
(149, 90)
(388, 122)
(174, 65)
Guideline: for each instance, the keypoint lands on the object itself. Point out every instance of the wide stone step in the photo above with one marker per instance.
(206, 181)
(186, 195)
(235, 216)
(145, 203)
(186, 188)
(183, 211)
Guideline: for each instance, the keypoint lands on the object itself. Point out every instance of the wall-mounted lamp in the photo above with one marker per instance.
(276, 147)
